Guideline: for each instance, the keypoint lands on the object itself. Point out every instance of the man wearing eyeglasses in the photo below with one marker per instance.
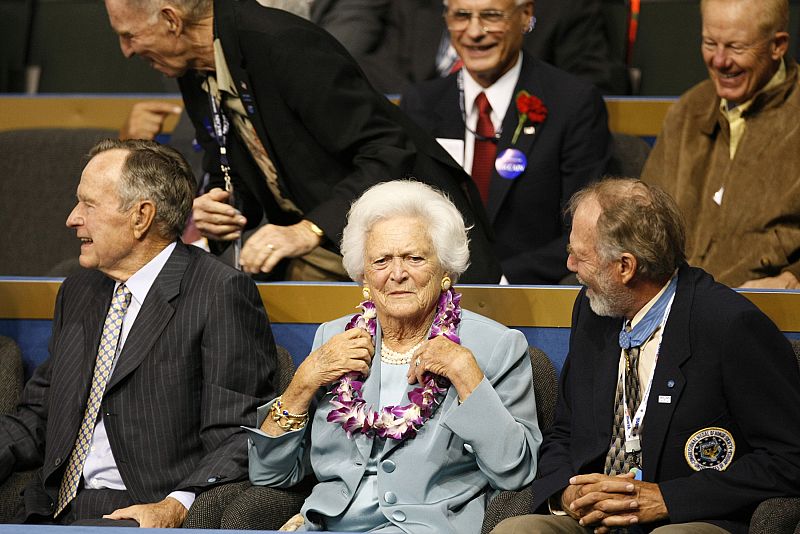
(530, 135)
(727, 151)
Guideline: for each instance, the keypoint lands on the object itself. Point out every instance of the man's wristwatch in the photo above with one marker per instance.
(314, 228)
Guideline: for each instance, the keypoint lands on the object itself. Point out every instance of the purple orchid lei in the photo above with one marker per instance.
(395, 422)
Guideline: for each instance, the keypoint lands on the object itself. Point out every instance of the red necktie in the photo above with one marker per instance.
(484, 152)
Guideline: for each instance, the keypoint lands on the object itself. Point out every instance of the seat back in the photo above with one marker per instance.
(40, 175)
(284, 372)
(545, 387)
(628, 157)
(10, 389)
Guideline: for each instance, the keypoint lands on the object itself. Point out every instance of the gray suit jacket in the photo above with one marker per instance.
(357, 24)
(196, 364)
(443, 478)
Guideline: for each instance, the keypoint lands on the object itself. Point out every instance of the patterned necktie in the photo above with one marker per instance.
(102, 371)
(617, 461)
(484, 152)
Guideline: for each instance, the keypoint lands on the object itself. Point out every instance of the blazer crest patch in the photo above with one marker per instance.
(710, 448)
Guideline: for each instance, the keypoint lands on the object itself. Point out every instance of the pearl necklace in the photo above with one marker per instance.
(393, 357)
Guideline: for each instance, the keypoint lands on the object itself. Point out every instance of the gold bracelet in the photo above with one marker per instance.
(314, 228)
(286, 420)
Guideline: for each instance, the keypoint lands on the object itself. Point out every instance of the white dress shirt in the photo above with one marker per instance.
(100, 470)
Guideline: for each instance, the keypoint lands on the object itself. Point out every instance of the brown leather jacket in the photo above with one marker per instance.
(756, 231)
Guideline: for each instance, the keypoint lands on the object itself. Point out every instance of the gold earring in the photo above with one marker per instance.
(365, 292)
(446, 283)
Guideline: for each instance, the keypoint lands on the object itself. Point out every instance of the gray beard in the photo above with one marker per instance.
(609, 300)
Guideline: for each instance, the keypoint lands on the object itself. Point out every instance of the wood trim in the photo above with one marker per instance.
(540, 306)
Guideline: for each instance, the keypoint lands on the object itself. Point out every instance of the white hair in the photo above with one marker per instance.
(406, 198)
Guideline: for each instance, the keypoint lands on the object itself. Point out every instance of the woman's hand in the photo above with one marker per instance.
(442, 357)
(350, 351)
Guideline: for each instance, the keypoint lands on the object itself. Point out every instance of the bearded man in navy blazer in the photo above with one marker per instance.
(677, 404)
(159, 353)
(538, 159)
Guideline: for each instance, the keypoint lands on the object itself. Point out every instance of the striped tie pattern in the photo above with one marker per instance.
(109, 340)
(617, 461)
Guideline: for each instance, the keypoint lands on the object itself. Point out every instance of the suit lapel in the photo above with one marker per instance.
(668, 379)
(225, 30)
(154, 315)
(371, 395)
(605, 382)
(499, 186)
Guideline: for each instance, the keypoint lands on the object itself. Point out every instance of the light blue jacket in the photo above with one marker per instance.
(441, 480)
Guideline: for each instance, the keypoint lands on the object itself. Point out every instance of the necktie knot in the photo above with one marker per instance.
(483, 105)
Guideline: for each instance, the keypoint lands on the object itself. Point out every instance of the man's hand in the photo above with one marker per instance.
(619, 501)
(271, 243)
(168, 513)
(785, 280)
(294, 522)
(146, 119)
(215, 218)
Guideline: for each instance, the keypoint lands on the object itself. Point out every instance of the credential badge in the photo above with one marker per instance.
(710, 448)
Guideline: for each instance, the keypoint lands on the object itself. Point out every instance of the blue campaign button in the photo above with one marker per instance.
(670, 384)
(510, 163)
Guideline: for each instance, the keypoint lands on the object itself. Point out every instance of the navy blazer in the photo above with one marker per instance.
(722, 364)
(197, 362)
(569, 149)
(330, 135)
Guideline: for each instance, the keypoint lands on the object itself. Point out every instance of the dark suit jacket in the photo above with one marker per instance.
(196, 364)
(329, 133)
(569, 149)
(569, 34)
(729, 367)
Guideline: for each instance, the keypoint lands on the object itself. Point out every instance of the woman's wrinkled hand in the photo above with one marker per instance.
(442, 357)
(350, 351)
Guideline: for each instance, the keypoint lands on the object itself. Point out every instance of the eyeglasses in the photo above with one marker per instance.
(491, 20)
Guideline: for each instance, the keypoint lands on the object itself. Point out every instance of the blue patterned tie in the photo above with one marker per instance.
(102, 372)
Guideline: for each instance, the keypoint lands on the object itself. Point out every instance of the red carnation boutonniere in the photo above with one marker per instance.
(531, 108)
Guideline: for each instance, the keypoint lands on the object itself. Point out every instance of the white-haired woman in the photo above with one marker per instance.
(413, 412)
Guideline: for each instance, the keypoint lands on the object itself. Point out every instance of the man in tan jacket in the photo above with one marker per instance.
(728, 149)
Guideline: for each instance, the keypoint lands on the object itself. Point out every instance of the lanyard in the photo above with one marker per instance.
(221, 128)
(461, 106)
(632, 425)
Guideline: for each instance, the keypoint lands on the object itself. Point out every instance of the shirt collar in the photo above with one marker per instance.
(646, 308)
(499, 93)
(142, 280)
(223, 73)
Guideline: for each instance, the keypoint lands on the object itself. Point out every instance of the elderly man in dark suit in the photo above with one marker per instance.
(677, 408)
(529, 134)
(159, 353)
(291, 126)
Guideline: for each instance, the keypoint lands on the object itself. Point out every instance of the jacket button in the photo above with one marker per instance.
(211, 480)
(765, 261)
(388, 466)
(390, 497)
(398, 516)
